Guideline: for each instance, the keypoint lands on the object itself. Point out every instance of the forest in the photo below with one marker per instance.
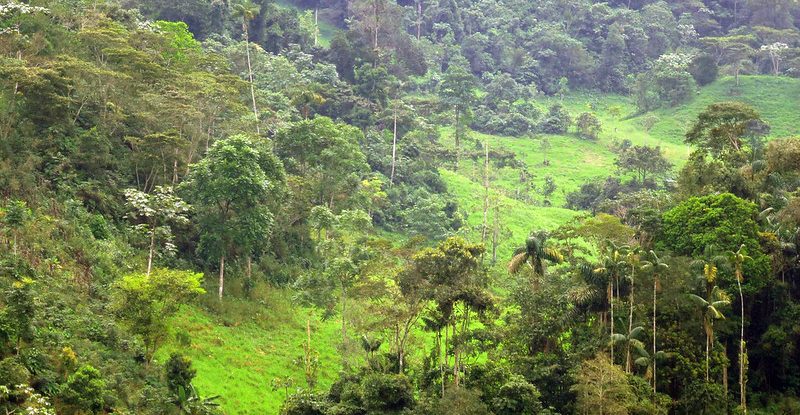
(418, 207)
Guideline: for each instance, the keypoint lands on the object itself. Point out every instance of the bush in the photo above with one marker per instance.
(517, 397)
(704, 69)
(179, 373)
(12, 372)
(85, 390)
(305, 403)
(386, 393)
(703, 398)
(462, 401)
(557, 120)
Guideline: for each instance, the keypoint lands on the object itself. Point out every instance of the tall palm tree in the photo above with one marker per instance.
(657, 267)
(738, 259)
(710, 309)
(631, 341)
(247, 11)
(647, 362)
(633, 259)
(534, 254)
(613, 265)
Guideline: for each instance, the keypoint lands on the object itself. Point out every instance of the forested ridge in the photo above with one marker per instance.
(430, 207)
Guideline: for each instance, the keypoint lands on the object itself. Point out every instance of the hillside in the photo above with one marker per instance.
(240, 357)
(481, 207)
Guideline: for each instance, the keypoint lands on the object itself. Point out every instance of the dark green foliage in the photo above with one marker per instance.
(462, 401)
(179, 373)
(703, 398)
(12, 372)
(386, 393)
(517, 397)
(305, 403)
(704, 69)
(557, 120)
(721, 128)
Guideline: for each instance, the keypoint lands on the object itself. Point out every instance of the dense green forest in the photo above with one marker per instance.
(422, 207)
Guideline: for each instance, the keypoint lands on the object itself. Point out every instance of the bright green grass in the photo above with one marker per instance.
(237, 357)
(574, 161)
(776, 98)
(519, 217)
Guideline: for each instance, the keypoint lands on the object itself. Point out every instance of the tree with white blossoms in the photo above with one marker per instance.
(26, 399)
(14, 9)
(774, 52)
(156, 212)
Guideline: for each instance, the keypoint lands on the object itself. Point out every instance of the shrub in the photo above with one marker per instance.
(85, 390)
(386, 393)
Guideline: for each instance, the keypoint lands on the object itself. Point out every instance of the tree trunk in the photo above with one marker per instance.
(742, 387)
(221, 275)
(725, 371)
(495, 232)
(485, 228)
(628, 363)
(458, 139)
(655, 288)
(344, 326)
(394, 147)
(419, 19)
(611, 302)
(250, 75)
(708, 340)
(316, 25)
(152, 248)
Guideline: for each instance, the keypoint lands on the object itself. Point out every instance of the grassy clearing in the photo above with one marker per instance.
(774, 97)
(518, 217)
(238, 351)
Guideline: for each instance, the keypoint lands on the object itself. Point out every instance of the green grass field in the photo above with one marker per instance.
(238, 352)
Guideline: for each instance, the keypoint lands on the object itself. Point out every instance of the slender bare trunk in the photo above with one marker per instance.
(495, 232)
(344, 326)
(250, 76)
(655, 288)
(708, 340)
(419, 19)
(152, 248)
(628, 363)
(316, 25)
(485, 192)
(221, 275)
(742, 386)
(394, 147)
(611, 302)
(458, 139)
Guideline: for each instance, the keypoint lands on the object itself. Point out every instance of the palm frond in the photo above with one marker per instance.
(516, 262)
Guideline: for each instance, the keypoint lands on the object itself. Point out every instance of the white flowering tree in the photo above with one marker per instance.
(774, 51)
(155, 213)
(23, 399)
(10, 13)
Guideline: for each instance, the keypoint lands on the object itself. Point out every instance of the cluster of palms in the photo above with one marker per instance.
(620, 266)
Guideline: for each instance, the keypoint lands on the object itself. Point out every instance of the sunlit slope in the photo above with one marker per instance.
(238, 354)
